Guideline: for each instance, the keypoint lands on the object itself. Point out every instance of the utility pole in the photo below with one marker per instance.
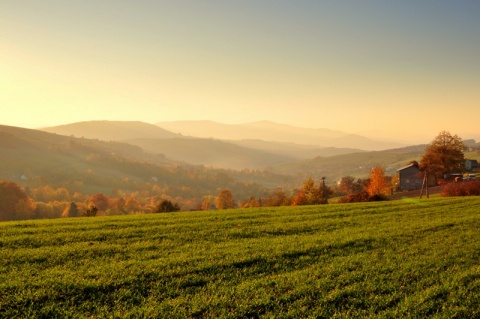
(425, 184)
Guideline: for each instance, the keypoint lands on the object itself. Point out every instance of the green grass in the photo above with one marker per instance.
(401, 259)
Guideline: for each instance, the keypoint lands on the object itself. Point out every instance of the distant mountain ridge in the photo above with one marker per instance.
(270, 131)
(292, 150)
(176, 147)
(212, 152)
(111, 130)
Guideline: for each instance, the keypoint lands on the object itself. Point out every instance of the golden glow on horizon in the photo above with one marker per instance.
(217, 67)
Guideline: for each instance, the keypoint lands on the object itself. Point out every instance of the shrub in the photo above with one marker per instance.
(362, 196)
(167, 206)
(467, 188)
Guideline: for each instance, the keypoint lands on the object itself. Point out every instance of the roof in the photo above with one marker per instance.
(408, 166)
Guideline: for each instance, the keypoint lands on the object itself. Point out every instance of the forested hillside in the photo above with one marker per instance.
(356, 164)
(51, 163)
(56, 171)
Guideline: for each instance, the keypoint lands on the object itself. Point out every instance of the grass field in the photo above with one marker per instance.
(399, 259)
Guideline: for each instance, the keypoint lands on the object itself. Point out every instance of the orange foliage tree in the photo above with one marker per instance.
(101, 201)
(378, 185)
(225, 200)
(251, 202)
(132, 205)
(278, 198)
(311, 195)
(14, 202)
(207, 202)
(349, 185)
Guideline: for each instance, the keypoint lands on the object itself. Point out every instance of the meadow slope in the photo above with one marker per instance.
(400, 259)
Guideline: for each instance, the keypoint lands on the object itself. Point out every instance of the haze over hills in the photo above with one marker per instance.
(211, 152)
(293, 150)
(44, 153)
(191, 150)
(270, 131)
(63, 160)
(230, 154)
(263, 130)
(111, 130)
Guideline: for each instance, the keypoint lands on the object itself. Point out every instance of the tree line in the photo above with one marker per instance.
(47, 202)
(443, 156)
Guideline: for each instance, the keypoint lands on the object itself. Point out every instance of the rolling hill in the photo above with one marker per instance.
(210, 152)
(286, 158)
(111, 130)
(59, 160)
(356, 164)
(213, 152)
(34, 158)
(293, 150)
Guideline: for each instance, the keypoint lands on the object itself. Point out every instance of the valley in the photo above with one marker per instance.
(146, 163)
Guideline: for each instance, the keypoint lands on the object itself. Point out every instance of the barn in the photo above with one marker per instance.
(409, 177)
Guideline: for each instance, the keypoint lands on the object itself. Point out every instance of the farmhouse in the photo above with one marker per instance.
(410, 178)
(470, 165)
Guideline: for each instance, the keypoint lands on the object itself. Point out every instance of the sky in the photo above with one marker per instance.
(394, 69)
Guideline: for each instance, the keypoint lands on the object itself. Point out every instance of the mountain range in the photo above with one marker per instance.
(256, 145)
(270, 131)
(111, 130)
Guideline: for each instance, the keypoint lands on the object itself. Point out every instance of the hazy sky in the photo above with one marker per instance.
(355, 66)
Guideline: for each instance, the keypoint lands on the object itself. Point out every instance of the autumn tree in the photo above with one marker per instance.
(349, 185)
(14, 202)
(100, 201)
(444, 155)
(278, 198)
(312, 195)
(379, 184)
(48, 194)
(44, 210)
(225, 200)
(118, 204)
(25, 209)
(251, 202)
(207, 202)
(132, 205)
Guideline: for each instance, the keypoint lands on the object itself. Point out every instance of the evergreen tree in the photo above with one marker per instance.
(72, 210)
